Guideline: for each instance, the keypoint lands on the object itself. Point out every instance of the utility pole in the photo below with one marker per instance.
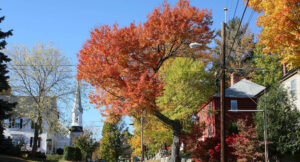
(222, 95)
(142, 142)
(265, 136)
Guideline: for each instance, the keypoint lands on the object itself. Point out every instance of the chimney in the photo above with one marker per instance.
(284, 69)
(234, 78)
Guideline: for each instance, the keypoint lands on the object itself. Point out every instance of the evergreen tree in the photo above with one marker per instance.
(240, 45)
(5, 107)
(283, 124)
(110, 144)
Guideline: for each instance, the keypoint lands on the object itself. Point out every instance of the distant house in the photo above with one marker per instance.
(20, 129)
(291, 81)
(241, 95)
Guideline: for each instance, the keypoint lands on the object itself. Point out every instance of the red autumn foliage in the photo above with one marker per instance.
(123, 63)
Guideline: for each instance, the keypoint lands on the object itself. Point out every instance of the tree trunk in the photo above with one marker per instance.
(176, 126)
(35, 138)
(37, 127)
(175, 157)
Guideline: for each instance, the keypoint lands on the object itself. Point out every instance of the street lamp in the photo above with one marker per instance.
(265, 128)
(195, 45)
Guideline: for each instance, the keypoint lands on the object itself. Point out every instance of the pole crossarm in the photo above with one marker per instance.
(245, 110)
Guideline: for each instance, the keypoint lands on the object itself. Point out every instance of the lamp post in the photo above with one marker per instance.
(265, 128)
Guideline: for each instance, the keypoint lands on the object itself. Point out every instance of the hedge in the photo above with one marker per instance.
(72, 153)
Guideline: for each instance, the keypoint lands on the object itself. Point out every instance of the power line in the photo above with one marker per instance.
(239, 26)
(237, 3)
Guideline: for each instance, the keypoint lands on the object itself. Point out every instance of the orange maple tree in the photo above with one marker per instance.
(280, 28)
(123, 63)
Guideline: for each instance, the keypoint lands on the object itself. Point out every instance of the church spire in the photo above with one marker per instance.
(77, 109)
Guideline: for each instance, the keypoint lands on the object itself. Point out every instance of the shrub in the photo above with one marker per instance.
(60, 151)
(7, 147)
(72, 153)
(36, 155)
(53, 158)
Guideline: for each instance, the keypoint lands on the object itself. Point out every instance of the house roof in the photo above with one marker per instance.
(243, 89)
(290, 74)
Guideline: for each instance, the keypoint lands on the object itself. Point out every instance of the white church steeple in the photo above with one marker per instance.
(77, 108)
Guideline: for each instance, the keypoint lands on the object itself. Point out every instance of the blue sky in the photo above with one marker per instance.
(67, 23)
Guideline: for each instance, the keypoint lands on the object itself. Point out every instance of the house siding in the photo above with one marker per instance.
(287, 85)
(214, 118)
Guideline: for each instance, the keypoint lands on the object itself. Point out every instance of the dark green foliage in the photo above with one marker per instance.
(72, 153)
(110, 144)
(233, 128)
(283, 125)
(86, 143)
(60, 151)
(6, 107)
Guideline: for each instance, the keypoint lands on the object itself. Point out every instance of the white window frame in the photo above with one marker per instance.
(234, 105)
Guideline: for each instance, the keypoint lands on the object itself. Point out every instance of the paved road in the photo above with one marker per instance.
(5, 158)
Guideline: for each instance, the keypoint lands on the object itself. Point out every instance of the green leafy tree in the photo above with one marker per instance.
(269, 68)
(188, 84)
(6, 107)
(86, 143)
(110, 145)
(282, 122)
(38, 74)
(152, 140)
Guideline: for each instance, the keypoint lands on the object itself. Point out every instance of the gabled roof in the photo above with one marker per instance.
(243, 89)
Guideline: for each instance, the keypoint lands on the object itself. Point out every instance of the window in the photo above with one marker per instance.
(234, 105)
(13, 123)
(210, 131)
(17, 123)
(38, 142)
(293, 88)
(31, 141)
(209, 109)
(195, 117)
(6, 123)
(202, 115)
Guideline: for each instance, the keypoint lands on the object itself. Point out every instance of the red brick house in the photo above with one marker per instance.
(242, 95)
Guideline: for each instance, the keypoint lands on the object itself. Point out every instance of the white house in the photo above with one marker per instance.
(291, 81)
(20, 129)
